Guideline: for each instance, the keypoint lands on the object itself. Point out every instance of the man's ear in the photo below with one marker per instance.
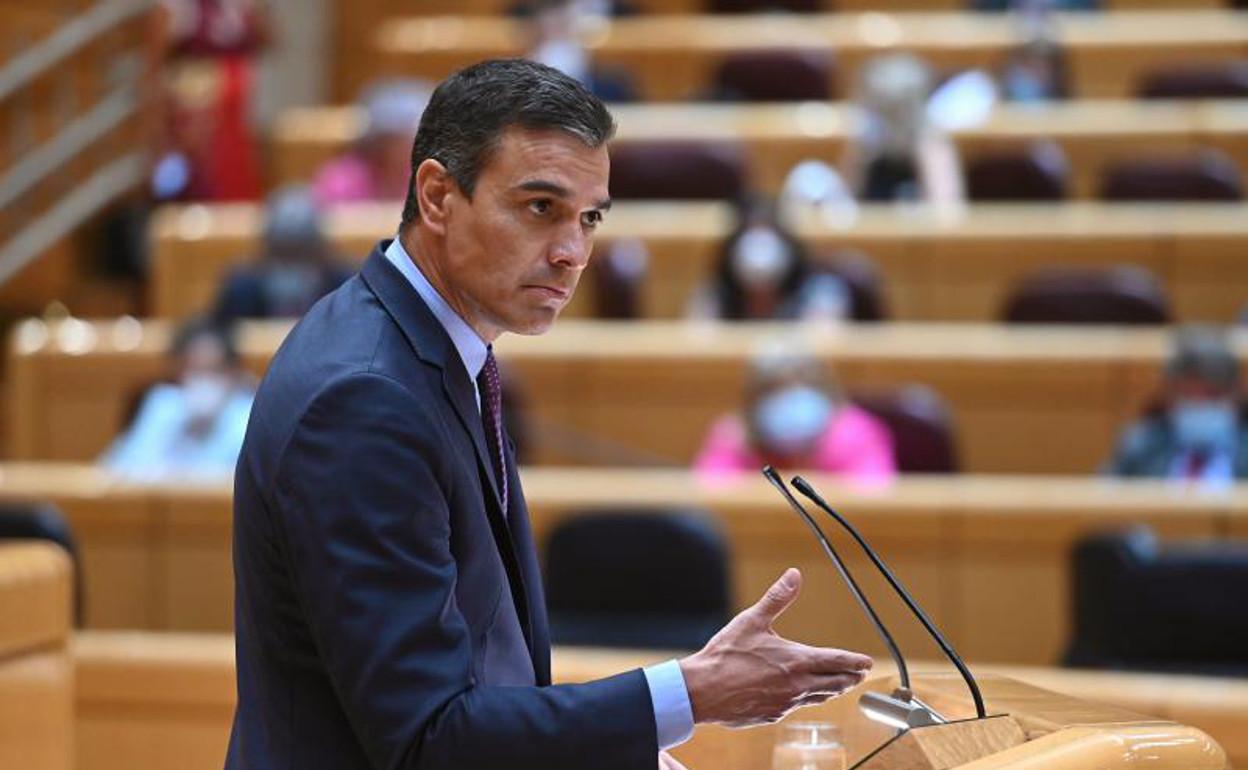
(434, 185)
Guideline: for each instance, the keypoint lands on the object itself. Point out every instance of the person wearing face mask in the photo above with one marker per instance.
(552, 29)
(764, 273)
(192, 428)
(899, 153)
(297, 268)
(795, 417)
(375, 168)
(1035, 70)
(1201, 435)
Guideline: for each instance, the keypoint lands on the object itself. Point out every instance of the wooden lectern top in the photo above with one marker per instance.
(1060, 732)
(1042, 730)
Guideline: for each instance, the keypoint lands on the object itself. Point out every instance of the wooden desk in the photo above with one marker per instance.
(935, 266)
(776, 137)
(673, 57)
(650, 390)
(117, 533)
(499, 7)
(36, 674)
(969, 546)
(161, 701)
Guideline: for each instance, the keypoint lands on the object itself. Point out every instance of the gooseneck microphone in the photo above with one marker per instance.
(902, 672)
(809, 492)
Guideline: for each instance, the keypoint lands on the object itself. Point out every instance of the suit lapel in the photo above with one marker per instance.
(431, 343)
(538, 631)
(460, 393)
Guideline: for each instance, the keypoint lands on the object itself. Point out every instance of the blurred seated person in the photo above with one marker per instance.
(192, 428)
(378, 166)
(1035, 70)
(1200, 433)
(899, 153)
(207, 90)
(552, 29)
(296, 268)
(797, 418)
(764, 273)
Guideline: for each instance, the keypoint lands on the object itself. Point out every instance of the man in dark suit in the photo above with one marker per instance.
(389, 609)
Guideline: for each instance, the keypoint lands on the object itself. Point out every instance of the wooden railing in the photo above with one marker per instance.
(72, 100)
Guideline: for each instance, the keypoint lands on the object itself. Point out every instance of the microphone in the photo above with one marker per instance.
(809, 492)
(889, 642)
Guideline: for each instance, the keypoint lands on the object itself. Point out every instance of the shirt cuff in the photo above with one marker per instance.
(673, 714)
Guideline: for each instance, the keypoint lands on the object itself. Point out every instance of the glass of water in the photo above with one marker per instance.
(809, 746)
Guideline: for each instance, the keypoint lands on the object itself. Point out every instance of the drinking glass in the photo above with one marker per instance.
(809, 746)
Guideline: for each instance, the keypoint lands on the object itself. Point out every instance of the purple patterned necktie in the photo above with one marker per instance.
(491, 390)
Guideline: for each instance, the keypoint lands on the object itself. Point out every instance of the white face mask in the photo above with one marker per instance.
(205, 394)
(789, 421)
(761, 258)
(1205, 425)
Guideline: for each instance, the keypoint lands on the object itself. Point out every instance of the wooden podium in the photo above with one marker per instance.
(1033, 729)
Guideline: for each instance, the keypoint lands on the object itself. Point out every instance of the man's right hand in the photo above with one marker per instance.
(747, 674)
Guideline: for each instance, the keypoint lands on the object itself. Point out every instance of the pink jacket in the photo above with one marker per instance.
(855, 444)
(348, 179)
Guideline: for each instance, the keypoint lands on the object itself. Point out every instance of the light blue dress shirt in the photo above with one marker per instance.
(673, 714)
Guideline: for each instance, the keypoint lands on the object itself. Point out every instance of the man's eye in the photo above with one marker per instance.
(592, 218)
(540, 206)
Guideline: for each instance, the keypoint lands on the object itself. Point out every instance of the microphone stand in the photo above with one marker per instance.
(902, 671)
(809, 492)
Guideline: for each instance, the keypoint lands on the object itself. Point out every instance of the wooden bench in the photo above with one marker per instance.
(36, 672)
(499, 7)
(161, 701)
(648, 391)
(673, 57)
(356, 22)
(934, 266)
(159, 558)
(776, 137)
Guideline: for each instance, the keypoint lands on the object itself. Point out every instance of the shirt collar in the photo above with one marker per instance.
(471, 348)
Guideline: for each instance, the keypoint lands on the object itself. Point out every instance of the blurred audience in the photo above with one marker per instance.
(764, 273)
(296, 268)
(796, 417)
(899, 153)
(191, 428)
(208, 149)
(1199, 433)
(552, 31)
(379, 165)
(1035, 70)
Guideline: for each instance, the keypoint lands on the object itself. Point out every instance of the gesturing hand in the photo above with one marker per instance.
(747, 674)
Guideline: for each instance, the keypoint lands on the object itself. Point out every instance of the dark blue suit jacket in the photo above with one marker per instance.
(388, 614)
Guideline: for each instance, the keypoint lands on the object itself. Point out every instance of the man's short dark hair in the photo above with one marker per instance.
(470, 110)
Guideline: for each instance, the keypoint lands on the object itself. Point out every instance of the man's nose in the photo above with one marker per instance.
(571, 251)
